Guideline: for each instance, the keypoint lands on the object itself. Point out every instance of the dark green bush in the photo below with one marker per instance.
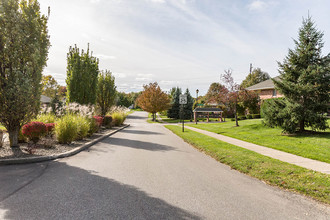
(249, 116)
(107, 121)
(256, 116)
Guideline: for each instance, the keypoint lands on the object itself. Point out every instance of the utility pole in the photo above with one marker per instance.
(250, 68)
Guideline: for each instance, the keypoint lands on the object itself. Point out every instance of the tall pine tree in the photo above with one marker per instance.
(187, 109)
(305, 82)
(174, 111)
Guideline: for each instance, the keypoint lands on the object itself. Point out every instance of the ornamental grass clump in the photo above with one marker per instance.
(34, 130)
(46, 118)
(66, 129)
(118, 118)
(93, 126)
(50, 128)
(83, 126)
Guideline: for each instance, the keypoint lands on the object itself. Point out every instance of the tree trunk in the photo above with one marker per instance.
(236, 115)
(153, 117)
(13, 137)
(302, 125)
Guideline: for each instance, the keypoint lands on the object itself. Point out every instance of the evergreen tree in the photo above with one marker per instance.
(187, 108)
(174, 111)
(255, 77)
(106, 91)
(24, 44)
(305, 81)
(82, 76)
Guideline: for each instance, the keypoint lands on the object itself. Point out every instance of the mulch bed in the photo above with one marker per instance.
(46, 146)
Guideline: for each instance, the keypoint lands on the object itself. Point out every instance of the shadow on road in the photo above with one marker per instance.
(67, 192)
(140, 132)
(137, 117)
(137, 144)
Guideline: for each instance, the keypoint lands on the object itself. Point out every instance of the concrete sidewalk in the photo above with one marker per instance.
(319, 166)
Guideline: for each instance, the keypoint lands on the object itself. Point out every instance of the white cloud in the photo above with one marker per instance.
(157, 1)
(104, 57)
(257, 5)
(120, 75)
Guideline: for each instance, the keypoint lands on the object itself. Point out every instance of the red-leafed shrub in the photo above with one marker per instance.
(50, 127)
(34, 130)
(99, 120)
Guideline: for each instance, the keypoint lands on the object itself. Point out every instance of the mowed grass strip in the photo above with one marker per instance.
(310, 145)
(272, 171)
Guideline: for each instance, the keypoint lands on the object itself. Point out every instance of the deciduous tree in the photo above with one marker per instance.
(232, 97)
(50, 86)
(24, 44)
(255, 77)
(153, 99)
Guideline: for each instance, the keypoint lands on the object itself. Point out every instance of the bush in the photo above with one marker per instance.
(21, 137)
(66, 129)
(232, 119)
(118, 118)
(256, 116)
(107, 121)
(93, 126)
(242, 117)
(34, 130)
(99, 120)
(83, 127)
(46, 118)
(249, 116)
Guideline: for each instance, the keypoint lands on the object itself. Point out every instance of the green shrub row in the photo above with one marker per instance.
(118, 118)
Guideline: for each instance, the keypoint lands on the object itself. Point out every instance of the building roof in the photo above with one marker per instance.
(267, 84)
(45, 99)
(207, 110)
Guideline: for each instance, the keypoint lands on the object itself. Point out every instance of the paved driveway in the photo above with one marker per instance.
(144, 172)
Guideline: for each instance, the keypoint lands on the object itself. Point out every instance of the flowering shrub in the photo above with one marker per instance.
(99, 120)
(34, 130)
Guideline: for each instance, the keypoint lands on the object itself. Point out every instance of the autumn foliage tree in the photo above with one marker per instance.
(153, 99)
(232, 97)
(50, 86)
(24, 44)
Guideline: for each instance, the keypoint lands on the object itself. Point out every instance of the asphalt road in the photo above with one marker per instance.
(144, 172)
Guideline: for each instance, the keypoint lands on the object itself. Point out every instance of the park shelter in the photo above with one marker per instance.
(207, 113)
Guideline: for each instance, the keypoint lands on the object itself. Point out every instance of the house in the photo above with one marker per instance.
(266, 89)
(45, 100)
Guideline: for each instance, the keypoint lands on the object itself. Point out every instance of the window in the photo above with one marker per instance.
(274, 93)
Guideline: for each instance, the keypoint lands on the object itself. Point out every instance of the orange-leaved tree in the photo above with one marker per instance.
(153, 99)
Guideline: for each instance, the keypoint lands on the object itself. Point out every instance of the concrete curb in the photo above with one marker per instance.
(61, 155)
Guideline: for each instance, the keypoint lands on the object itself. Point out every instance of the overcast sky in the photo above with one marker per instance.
(185, 43)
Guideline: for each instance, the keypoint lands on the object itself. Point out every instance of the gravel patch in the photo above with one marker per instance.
(47, 146)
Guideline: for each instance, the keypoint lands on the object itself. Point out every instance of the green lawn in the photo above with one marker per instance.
(272, 171)
(313, 146)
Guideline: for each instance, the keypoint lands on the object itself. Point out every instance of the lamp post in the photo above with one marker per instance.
(196, 104)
